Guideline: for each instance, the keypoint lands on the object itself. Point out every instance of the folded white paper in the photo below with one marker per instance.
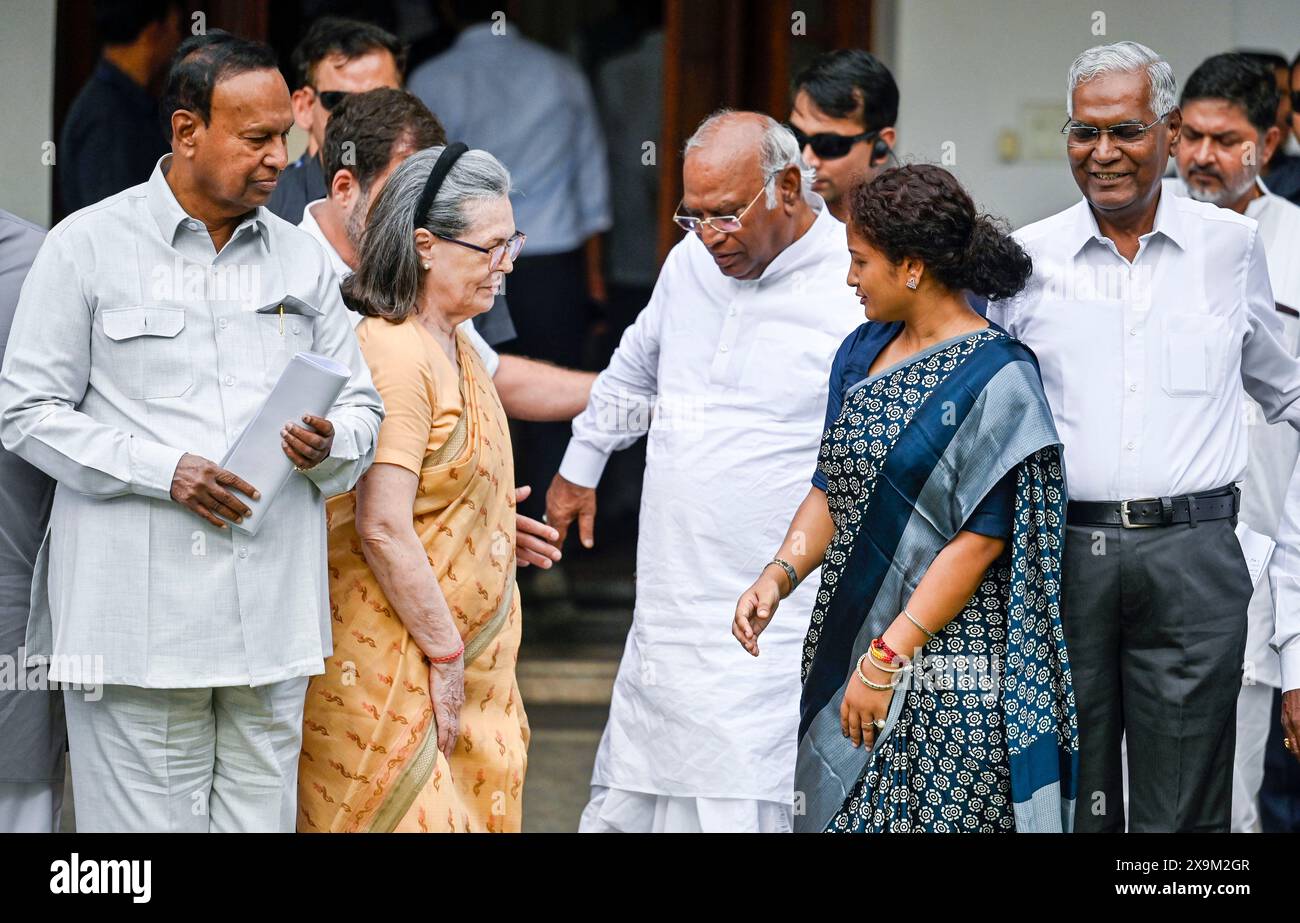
(309, 384)
(1257, 549)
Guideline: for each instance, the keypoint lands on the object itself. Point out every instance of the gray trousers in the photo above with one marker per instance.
(221, 760)
(1155, 627)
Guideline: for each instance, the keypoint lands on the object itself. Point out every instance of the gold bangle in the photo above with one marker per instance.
(876, 686)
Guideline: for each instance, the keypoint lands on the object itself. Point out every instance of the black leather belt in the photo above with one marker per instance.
(1221, 503)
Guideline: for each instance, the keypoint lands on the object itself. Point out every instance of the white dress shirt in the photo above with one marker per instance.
(1144, 363)
(736, 373)
(134, 343)
(309, 224)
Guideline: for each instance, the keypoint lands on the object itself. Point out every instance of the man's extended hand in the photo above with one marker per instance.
(1291, 721)
(534, 541)
(307, 448)
(566, 501)
(204, 488)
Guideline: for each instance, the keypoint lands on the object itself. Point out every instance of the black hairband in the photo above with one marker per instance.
(450, 154)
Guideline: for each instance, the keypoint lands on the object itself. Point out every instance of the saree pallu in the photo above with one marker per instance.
(981, 735)
(370, 761)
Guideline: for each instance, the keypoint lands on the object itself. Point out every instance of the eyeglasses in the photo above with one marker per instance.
(1079, 135)
(828, 145)
(724, 224)
(496, 254)
(330, 98)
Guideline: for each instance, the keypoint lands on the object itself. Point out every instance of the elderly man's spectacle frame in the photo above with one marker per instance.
(723, 224)
(1077, 134)
(828, 145)
(496, 254)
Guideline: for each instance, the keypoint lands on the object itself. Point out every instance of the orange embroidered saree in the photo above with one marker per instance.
(370, 761)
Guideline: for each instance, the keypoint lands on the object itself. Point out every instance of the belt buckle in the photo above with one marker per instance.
(1123, 518)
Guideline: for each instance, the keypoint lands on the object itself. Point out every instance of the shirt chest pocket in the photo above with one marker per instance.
(150, 355)
(1194, 354)
(286, 328)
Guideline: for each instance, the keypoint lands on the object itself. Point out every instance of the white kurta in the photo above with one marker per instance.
(738, 375)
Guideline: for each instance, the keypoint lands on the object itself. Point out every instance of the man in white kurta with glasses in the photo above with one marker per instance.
(726, 369)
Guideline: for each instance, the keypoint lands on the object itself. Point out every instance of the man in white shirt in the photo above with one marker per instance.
(1146, 311)
(151, 328)
(369, 135)
(1228, 104)
(726, 369)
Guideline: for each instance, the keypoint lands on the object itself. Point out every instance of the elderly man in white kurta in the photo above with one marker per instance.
(150, 330)
(726, 369)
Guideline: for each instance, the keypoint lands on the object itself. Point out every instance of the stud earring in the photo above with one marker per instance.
(426, 266)
(911, 283)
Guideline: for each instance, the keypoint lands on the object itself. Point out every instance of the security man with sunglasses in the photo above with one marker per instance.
(335, 58)
(845, 106)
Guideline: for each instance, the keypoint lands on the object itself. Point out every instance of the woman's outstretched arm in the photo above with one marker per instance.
(803, 549)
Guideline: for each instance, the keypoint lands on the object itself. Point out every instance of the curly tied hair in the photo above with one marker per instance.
(921, 211)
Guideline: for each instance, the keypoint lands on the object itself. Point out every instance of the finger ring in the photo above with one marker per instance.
(878, 724)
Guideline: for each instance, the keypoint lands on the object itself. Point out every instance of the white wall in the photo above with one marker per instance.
(965, 69)
(26, 106)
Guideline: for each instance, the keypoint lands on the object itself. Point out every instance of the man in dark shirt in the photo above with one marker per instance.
(112, 137)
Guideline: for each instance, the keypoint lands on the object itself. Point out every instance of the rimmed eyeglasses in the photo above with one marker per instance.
(512, 245)
(723, 224)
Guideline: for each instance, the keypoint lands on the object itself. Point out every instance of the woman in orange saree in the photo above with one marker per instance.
(404, 732)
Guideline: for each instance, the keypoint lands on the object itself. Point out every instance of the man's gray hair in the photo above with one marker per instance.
(387, 279)
(1124, 58)
(777, 151)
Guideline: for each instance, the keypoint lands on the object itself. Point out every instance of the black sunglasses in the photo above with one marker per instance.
(330, 98)
(1295, 100)
(827, 145)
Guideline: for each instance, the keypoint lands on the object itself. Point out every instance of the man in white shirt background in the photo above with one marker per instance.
(1228, 133)
(726, 369)
(1148, 313)
(369, 135)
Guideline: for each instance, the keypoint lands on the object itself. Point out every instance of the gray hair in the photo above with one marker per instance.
(777, 151)
(387, 280)
(1124, 58)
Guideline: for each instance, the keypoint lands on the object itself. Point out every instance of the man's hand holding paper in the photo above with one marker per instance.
(307, 448)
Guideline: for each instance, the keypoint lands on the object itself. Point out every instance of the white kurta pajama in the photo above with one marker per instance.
(701, 736)
(134, 343)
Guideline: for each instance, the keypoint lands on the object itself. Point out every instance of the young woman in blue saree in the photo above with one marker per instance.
(936, 686)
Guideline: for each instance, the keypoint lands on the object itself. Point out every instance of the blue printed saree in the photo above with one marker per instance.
(981, 735)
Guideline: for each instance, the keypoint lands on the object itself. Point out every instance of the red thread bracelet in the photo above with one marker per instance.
(450, 657)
